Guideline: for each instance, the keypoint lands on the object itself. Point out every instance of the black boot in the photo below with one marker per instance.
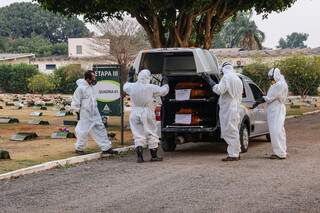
(154, 156)
(139, 151)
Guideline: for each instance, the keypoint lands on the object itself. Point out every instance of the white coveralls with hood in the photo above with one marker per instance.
(84, 100)
(230, 89)
(276, 112)
(142, 116)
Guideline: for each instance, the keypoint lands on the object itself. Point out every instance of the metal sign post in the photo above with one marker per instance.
(109, 92)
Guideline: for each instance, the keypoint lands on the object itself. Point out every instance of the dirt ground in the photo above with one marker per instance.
(191, 179)
(43, 148)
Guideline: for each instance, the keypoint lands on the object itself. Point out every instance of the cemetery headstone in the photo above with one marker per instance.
(23, 136)
(62, 134)
(70, 123)
(37, 114)
(38, 122)
(8, 120)
(4, 154)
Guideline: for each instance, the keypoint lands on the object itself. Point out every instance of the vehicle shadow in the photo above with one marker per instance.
(201, 148)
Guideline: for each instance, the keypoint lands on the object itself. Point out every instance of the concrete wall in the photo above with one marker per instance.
(85, 63)
(88, 47)
(25, 60)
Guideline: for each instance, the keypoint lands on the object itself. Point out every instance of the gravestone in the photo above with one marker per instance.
(63, 113)
(38, 122)
(8, 120)
(23, 136)
(36, 114)
(62, 135)
(4, 154)
(49, 104)
(1, 107)
(43, 108)
(70, 123)
(9, 104)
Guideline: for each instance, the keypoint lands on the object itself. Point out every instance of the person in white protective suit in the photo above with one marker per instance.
(85, 104)
(276, 113)
(142, 116)
(230, 89)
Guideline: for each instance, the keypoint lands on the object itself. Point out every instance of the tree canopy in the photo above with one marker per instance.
(169, 23)
(294, 40)
(22, 20)
(240, 31)
(36, 44)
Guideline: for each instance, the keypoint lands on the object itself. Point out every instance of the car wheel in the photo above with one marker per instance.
(244, 138)
(268, 137)
(168, 144)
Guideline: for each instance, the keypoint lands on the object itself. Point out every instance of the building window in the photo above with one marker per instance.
(50, 66)
(79, 49)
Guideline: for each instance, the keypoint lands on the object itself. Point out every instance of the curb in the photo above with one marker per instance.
(305, 113)
(57, 163)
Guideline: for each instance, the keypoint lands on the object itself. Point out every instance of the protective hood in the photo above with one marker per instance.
(227, 69)
(82, 83)
(275, 72)
(144, 76)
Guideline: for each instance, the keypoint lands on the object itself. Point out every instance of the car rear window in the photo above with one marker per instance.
(169, 63)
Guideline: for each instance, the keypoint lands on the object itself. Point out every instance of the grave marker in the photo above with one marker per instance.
(36, 114)
(23, 136)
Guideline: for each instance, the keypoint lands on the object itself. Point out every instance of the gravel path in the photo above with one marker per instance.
(192, 179)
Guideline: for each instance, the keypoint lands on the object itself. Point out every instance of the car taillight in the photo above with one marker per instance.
(158, 113)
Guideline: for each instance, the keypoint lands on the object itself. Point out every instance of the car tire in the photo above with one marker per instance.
(244, 138)
(168, 144)
(268, 137)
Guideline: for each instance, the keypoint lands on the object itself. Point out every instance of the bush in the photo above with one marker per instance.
(14, 78)
(40, 83)
(258, 73)
(302, 74)
(65, 78)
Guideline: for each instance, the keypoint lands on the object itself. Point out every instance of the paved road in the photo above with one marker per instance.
(192, 179)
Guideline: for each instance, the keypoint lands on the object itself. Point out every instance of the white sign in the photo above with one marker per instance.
(183, 118)
(183, 94)
(107, 91)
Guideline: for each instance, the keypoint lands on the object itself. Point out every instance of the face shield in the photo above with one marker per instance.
(271, 74)
(222, 66)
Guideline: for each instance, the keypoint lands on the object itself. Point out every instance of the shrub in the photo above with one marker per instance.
(14, 78)
(40, 83)
(302, 74)
(65, 78)
(258, 72)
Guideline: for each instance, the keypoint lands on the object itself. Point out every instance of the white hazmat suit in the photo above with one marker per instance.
(276, 112)
(230, 89)
(142, 116)
(84, 100)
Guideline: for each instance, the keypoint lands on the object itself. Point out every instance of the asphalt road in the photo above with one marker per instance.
(192, 179)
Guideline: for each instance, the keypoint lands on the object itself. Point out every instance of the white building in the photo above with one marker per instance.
(84, 52)
(88, 47)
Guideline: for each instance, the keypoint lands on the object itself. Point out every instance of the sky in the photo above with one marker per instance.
(301, 17)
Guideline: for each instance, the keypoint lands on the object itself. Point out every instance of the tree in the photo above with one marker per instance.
(126, 39)
(65, 78)
(240, 31)
(294, 40)
(169, 23)
(258, 72)
(302, 74)
(40, 83)
(36, 44)
(22, 20)
(14, 77)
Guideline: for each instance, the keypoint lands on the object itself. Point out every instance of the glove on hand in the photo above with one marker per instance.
(165, 80)
(205, 76)
(131, 74)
